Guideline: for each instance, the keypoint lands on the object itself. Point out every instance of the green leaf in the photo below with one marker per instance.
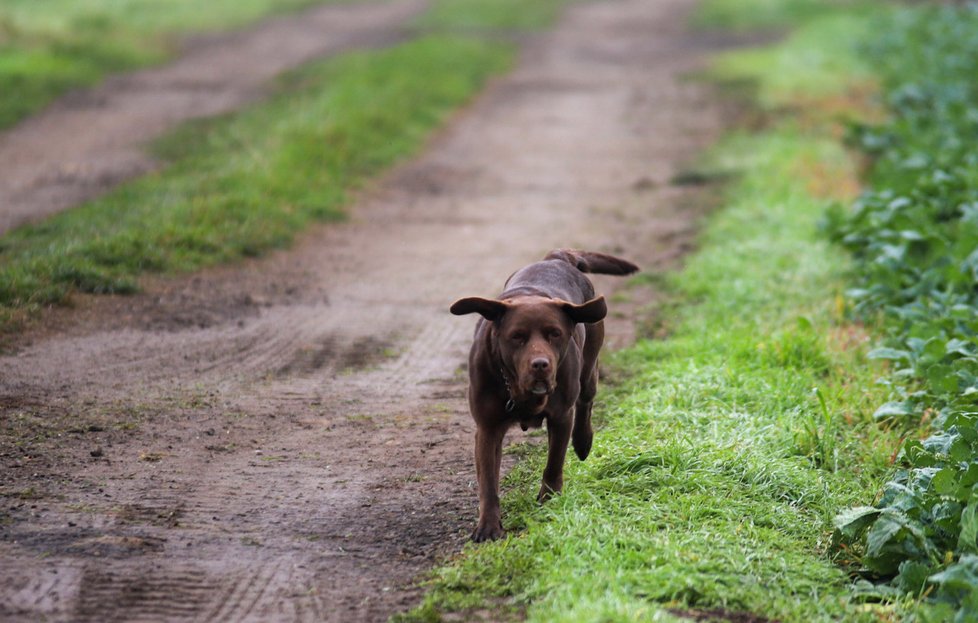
(970, 476)
(942, 379)
(968, 538)
(945, 481)
(935, 348)
(893, 410)
(913, 576)
(852, 521)
(883, 542)
(960, 451)
(888, 353)
(915, 454)
(884, 530)
(962, 575)
(960, 347)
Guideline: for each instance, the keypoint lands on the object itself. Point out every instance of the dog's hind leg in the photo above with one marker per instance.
(583, 433)
(558, 436)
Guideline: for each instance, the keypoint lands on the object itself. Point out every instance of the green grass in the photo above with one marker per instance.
(49, 47)
(718, 468)
(803, 68)
(153, 17)
(753, 16)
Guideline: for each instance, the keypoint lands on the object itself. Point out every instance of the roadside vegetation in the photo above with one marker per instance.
(914, 235)
(801, 446)
(240, 185)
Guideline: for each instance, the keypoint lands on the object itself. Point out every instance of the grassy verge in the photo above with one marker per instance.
(802, 70)
(724, 458)
(773, 16)
(913, 235)
(240, 185)
(49, 47)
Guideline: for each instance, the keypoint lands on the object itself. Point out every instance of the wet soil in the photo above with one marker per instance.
(287, 438)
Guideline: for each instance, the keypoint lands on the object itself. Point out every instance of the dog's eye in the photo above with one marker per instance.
(519, 338)
(554, 334)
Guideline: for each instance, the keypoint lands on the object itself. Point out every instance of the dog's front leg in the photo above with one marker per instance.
(558, 436)
(488, 457)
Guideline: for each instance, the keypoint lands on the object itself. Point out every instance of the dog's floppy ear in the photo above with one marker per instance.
(490, 309)
(592, 311)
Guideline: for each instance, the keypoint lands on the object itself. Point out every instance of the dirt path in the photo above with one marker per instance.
(287, 439)
(89, 142)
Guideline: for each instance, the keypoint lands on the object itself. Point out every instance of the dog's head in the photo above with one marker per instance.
(531, 335)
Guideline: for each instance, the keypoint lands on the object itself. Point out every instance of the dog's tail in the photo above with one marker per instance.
(590, 262)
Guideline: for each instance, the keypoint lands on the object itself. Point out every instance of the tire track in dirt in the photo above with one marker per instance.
(89, 142)
(287, 439)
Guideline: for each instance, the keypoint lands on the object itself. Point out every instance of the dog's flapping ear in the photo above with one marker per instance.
(490, 309)
(591, 311)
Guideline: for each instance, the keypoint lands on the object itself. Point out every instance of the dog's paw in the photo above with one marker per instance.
(489, 532)
(549, 490)
(582, 438)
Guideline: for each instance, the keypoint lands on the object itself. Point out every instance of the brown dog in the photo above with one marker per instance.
(535, 358)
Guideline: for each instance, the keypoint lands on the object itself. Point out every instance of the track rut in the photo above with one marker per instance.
(287, 438)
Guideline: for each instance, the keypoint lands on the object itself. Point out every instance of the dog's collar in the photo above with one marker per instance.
(526, 420)
(510, 402)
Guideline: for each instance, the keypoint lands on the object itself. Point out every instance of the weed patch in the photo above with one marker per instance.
(914, 235)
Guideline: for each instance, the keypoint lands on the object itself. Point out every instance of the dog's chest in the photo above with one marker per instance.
(529, 420)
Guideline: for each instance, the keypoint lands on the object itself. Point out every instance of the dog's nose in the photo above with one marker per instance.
(540, 364)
